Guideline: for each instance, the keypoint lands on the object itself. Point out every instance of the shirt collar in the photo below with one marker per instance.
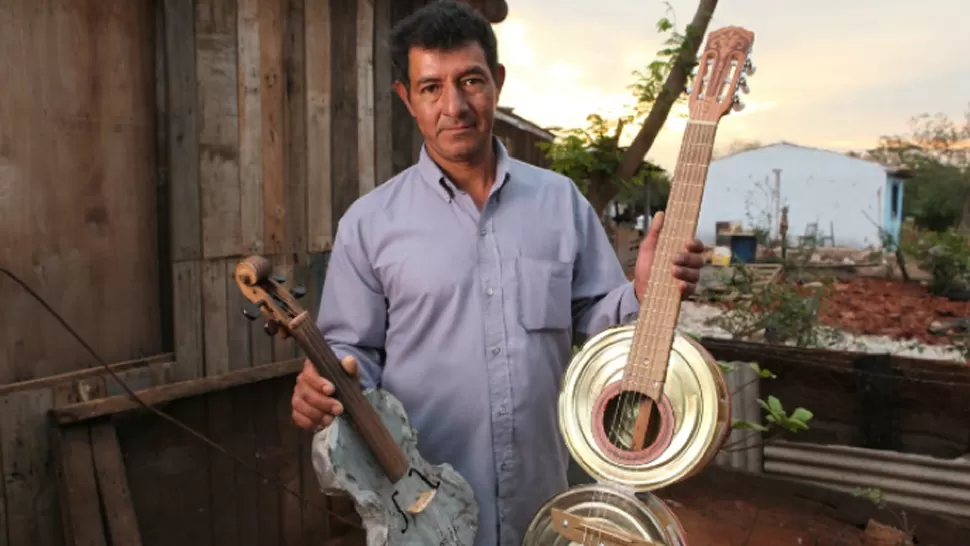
(440, 184)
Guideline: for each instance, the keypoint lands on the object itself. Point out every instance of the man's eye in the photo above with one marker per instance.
(429, 89)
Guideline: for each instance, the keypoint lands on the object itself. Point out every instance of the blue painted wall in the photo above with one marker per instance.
(892, 216)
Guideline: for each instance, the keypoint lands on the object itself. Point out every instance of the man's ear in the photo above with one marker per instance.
(402, 93)
(499, 78)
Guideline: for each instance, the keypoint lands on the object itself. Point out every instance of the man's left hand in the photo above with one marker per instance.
(685, 267)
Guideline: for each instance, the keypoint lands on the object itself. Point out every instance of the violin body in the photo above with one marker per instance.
(343, 461)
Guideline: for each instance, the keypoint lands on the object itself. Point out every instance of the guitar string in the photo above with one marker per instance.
(661, 305)
(623, 403)
(166, 417)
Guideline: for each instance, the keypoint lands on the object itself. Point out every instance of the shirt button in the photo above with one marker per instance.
(502, 410)
(490, 291)
(482, 232)
(504, 466)
(496, 350)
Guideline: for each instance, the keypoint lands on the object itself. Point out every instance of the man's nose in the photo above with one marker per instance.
(455, 102)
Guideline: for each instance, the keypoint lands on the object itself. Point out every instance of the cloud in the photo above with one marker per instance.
(837, 76)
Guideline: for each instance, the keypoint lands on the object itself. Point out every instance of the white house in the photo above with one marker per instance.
(844, 196)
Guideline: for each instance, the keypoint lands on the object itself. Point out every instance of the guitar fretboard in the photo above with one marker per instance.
(646, 368)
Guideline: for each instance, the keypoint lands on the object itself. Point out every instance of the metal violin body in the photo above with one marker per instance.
(370, 451)
(642, 406)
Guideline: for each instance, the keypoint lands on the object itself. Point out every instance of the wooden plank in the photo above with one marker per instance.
(250, 126)
(238, 326)
(344, 156)
(183, 137)
(96, 370)
(77, 188)
(79, 486)
(402, 124)
(218, 128)
(295, 107)
(30, 501)
(222, 474)
(85, 411)
(168, 474)
(366, 146)
(271, 109)
(319, 206)
(266, 439)
(215, 315)
(112, 482)
(187, 309)
(285, 349)
(163, 180)
(383, 93)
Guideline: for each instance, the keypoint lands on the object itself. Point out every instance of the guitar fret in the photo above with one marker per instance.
(660, 302)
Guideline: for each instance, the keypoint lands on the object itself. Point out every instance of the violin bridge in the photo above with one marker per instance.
(577, 528)
(422, 502)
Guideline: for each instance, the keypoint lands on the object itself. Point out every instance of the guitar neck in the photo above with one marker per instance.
(366, 420)
(646, 368)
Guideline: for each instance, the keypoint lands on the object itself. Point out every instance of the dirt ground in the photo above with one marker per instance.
(872, 306)
(753, 520)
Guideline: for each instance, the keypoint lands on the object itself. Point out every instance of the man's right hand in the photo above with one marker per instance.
(313, 404)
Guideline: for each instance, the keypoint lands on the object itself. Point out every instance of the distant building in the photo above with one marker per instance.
(842, 199)
(521, 136)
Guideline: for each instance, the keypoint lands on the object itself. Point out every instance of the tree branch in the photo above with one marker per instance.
(673, 87)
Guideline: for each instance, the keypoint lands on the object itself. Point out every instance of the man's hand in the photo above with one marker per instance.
(313, 404)
(686, 266)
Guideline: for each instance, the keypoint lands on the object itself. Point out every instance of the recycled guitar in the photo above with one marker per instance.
(370, 451)
(642, 406)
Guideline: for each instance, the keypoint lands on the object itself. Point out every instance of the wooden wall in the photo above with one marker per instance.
(279, 115)
(145, 146)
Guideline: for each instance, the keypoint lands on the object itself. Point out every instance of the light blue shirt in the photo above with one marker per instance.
(468, 318)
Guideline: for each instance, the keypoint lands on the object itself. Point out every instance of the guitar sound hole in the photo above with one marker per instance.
(615, 420)
(620, 419)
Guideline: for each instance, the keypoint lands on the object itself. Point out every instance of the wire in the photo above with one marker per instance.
(192, 432)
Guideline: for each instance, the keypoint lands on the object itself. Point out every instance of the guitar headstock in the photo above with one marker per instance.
(722, 69)
(267, 297)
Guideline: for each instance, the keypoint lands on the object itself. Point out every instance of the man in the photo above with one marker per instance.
(459, 284)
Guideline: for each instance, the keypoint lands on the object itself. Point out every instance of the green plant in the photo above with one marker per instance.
(945, 256)
(780, 312)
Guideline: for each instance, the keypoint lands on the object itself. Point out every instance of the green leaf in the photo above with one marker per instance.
(801, 415)
(775, 405)
(762, 373)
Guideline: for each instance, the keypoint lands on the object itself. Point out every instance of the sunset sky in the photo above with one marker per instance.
(832, 74)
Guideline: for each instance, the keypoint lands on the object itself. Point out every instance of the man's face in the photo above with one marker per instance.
(452, 96)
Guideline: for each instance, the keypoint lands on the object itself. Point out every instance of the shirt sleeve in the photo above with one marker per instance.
(602, 295)
(353, 309)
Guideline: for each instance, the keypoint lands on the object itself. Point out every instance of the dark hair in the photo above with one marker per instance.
(441, 25)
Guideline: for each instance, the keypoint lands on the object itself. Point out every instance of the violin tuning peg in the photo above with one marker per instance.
(271, 327)
(298, 291)
(279, 279)
(250, 310)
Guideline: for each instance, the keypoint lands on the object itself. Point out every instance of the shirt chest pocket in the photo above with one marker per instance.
(544, 293)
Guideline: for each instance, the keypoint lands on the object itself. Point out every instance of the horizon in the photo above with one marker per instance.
(803, 53)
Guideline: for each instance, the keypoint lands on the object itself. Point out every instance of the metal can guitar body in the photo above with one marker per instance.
(694, 413)
(612, 511)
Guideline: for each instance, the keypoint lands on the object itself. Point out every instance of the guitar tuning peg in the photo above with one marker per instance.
(250, 310)
(736, 104)
(279, 279)
(743, 85)
(749, 67)
(298, 291)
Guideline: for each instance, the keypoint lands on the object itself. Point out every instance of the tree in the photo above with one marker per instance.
(936, 152)
(593, 157)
